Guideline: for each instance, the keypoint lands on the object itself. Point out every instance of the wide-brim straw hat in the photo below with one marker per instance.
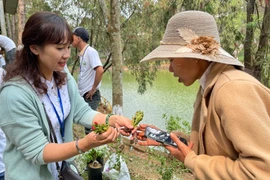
(191, 34)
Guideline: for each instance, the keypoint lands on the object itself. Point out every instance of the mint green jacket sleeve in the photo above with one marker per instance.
(80, 112)
(21, 121)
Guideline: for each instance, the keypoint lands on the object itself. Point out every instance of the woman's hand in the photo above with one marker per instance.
(182, 151)
(94, 140)
(123, 124)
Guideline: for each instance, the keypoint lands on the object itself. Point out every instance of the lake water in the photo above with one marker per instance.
(166, 96)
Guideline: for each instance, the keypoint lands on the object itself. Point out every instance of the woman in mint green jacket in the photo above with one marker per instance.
(37, 90)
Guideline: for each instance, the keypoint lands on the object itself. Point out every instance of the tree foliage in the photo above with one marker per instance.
(143, 23)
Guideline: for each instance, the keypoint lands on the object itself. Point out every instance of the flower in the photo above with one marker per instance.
(108, 169)
(205, 45)
(100, 128)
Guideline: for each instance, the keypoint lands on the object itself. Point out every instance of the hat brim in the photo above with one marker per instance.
(166, 52)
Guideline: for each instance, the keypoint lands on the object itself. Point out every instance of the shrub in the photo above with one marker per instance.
(176, 124)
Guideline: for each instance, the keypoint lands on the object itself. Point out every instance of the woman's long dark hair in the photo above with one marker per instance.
(41, 29)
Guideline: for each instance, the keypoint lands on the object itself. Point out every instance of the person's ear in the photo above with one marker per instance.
(34, 49)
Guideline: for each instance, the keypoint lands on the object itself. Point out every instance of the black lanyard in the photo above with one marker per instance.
(61, 123)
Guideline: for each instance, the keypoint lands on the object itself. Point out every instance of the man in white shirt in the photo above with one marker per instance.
(10, 48)
(91, 69)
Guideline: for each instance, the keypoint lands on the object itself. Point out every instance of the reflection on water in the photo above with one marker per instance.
(166, 96)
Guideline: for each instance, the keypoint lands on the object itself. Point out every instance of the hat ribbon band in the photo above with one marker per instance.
(164, 43)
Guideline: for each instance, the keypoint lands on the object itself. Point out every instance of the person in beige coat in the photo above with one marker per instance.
(231, 126)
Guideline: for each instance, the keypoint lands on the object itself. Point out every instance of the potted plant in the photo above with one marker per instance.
(94, 158)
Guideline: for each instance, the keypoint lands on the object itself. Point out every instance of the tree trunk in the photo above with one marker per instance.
(115, 41)
(2, 19)
(249, 36)
(104, 10)
(261, 54)
(21, 20)
(13, 26)
(9, 32)
(74, 65)
(112, 22)
(106, 17)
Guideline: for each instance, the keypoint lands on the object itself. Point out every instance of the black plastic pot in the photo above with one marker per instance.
(95, 169)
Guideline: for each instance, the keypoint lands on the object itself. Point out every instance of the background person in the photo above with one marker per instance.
(91, 69)
(10, 48)
(35, 87)
(231, 125)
